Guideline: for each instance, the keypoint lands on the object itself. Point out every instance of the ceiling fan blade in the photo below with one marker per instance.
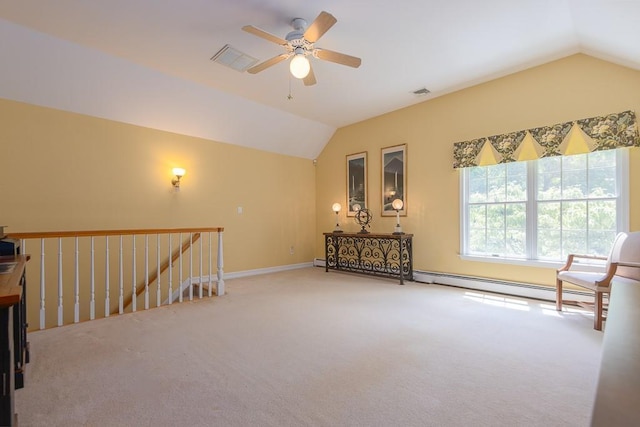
(338, 58)
(310, 80)
(268, 63)
(319, 26)
(261, 33)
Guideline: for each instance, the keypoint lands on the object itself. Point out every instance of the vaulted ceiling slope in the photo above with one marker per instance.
(147, 62)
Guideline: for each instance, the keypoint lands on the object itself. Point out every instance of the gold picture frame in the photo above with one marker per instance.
(356, 182)
(394, 179)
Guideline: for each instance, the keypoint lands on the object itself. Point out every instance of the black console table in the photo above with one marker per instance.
(388, 255)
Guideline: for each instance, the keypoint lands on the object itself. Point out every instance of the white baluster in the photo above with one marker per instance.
(210, 271)
(190, 267)
(220, 284)
(60, 306)
(146, 272)
(170, 270)
(76, 288)
(42, 286)
(92, 301)
(107, 300)
(180, 269)
(159, 292)
(200, 269)
(120, 281)
(134, 287)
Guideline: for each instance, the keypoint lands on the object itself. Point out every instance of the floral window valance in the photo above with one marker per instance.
(579, 136)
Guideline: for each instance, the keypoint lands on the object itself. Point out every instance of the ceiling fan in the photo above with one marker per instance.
(299, 44)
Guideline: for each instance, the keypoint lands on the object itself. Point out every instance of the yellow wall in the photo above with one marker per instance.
(65, 171)
(572, 88)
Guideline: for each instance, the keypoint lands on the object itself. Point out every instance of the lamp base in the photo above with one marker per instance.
(337, 230)
(398, 230)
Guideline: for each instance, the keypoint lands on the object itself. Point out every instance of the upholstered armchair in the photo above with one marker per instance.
(623, 262)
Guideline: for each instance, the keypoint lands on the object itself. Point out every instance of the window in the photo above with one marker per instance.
(542, 210)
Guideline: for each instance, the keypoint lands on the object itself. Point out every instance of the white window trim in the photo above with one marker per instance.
(622, 178)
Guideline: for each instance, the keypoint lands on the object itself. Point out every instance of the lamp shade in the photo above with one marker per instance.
(336, 207)
(299, 66)
(397, 204)
(179, 172)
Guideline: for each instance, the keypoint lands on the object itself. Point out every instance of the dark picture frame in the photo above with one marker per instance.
(394, 178)
(356, 182)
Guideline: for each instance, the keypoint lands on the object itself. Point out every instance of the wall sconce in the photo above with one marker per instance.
(336, 208)
(397, 204)
(179, 173)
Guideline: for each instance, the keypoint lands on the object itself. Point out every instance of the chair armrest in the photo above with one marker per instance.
(571, 257)
(606, 281)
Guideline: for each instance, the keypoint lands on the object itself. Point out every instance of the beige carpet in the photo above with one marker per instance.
(309, 348)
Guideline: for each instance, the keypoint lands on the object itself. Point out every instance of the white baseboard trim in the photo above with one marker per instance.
(247, 273)
(526, 290)
(214, 279)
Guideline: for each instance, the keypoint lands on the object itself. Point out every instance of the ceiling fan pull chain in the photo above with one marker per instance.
(290, 96)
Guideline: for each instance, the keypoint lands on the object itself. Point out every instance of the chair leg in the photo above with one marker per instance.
(597, 312)
(558, 294)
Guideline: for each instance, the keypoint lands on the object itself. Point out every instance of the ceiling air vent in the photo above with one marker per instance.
(421, 92)
(233, 58)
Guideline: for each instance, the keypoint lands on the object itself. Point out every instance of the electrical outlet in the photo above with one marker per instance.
(291, 250)
(240, 210)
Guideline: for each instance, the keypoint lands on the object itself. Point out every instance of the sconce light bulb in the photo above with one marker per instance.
(179, 173)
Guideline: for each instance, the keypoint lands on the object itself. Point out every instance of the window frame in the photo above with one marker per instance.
(622, 214)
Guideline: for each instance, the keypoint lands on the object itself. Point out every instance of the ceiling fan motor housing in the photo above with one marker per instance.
(299, 24)
(297, 44)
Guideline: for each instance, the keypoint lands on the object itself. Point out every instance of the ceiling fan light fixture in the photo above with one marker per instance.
(299, 66)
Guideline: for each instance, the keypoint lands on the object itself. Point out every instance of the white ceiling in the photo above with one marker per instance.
(406, 45)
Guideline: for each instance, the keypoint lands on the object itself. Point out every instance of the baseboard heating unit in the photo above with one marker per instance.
(527, 290)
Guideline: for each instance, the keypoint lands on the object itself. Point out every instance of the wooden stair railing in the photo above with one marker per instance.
(85, 266)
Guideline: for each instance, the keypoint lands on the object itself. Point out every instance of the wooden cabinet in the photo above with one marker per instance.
(14, 352)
